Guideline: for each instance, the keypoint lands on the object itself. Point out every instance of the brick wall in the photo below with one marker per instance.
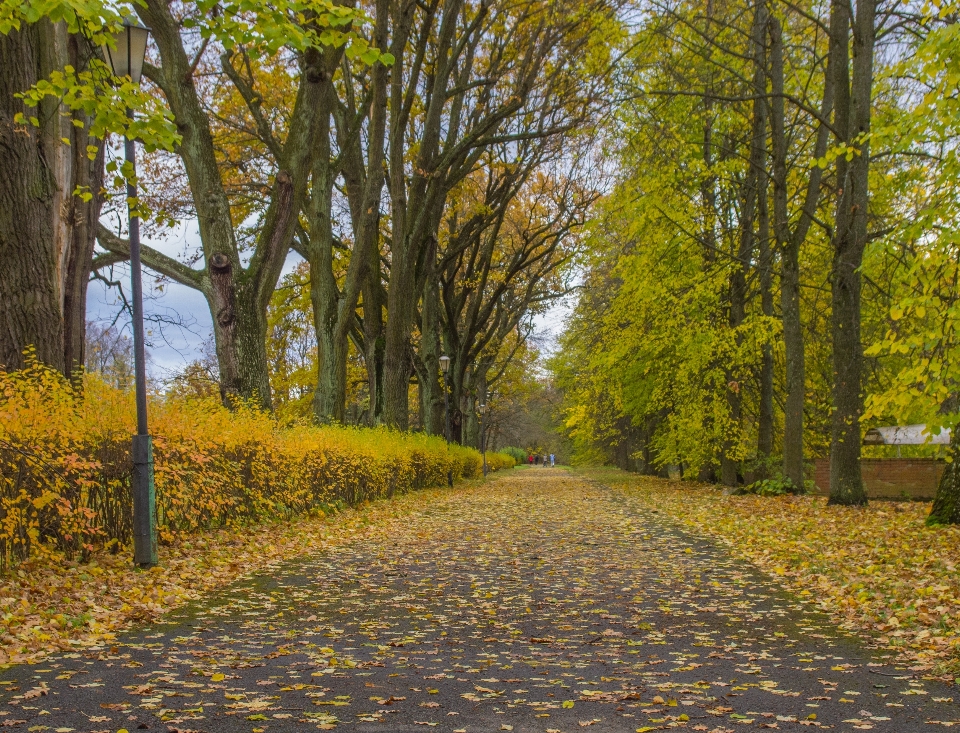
(889, 478)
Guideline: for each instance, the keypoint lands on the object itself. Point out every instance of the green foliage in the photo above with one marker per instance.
(778, 486)
(264, 29)
(519, 455)
(104, 101)
(94, 98)
(654, 367)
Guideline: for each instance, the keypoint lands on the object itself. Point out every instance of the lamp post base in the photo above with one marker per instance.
(144, 503)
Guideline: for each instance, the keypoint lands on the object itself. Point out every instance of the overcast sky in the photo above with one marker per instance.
(181, 319)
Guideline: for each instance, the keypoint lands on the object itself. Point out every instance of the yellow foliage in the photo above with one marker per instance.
(65, 465)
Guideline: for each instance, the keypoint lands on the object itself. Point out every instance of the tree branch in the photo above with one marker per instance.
(160, 263)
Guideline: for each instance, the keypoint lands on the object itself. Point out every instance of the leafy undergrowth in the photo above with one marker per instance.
(875, 569)
(48, 604)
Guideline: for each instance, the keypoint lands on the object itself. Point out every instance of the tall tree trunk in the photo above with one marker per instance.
(758, 158)
(852, 121)
(373, 339)
(240, 335)
(428, 358)
(329, 398)
(790, 240)
(396, 364)
(789, 271)
(46, 233)
(765, 412)
(738, 277)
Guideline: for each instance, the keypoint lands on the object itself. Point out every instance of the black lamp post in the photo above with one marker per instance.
(483, 438)
(126, 58)
(445, 368)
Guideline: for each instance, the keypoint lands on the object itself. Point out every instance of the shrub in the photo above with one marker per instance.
(519, 454)
(500, 460)
(65, 465)
(777, 486)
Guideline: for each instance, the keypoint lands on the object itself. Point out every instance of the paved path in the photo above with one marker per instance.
(538, 603)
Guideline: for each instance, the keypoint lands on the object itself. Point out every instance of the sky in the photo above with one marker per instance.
(179, 321)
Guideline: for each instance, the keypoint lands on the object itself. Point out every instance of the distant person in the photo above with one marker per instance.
(536, 460)
(552, 460)
(530, 459)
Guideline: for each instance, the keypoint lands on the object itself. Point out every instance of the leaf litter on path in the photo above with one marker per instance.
(877, 568)
(538, 602)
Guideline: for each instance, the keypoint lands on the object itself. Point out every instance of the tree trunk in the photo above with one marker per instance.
(738, 276)
(428, 369)
(373, 339)
(946, 505)
(396, 362)
(765, 416)
(758, 157)
(83, 217)
(329, 397)
(240, 333)
(852, 120)
(46, 233)
(789, 272)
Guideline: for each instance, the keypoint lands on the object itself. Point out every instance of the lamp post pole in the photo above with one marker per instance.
(445, 368)
(126, 59)
(144, 491)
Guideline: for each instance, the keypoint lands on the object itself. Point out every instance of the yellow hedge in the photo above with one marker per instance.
(497, 461)
(65, 465)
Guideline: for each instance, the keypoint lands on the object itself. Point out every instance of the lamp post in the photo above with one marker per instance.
(445, 368)
(483, 438)
(126, 59)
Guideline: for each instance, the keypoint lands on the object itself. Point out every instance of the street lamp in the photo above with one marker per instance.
(483, 438)
(126, 58)
(445, 368)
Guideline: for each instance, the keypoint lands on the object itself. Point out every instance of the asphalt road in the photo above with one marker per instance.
(537, 603)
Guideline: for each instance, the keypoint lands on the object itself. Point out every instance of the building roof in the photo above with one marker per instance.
(906, 435)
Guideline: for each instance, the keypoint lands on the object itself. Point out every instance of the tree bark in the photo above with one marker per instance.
(745, 253)
(765, 412)
(46, 233)
(428, 368)
(946, 504)
(373, 303)
(852, 120)
(329, 398)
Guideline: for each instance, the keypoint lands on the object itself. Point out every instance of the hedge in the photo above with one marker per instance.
(65, 465)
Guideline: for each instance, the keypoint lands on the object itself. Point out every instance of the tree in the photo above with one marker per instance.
(506, 252)
(109, 353)
(237, 284)
(853, 103)
(46, 232)
(58, 102)
(473, 76)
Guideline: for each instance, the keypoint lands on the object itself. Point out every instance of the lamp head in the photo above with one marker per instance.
(129, 50)
(444, 363)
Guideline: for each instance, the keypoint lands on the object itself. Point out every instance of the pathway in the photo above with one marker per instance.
(537, 603)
